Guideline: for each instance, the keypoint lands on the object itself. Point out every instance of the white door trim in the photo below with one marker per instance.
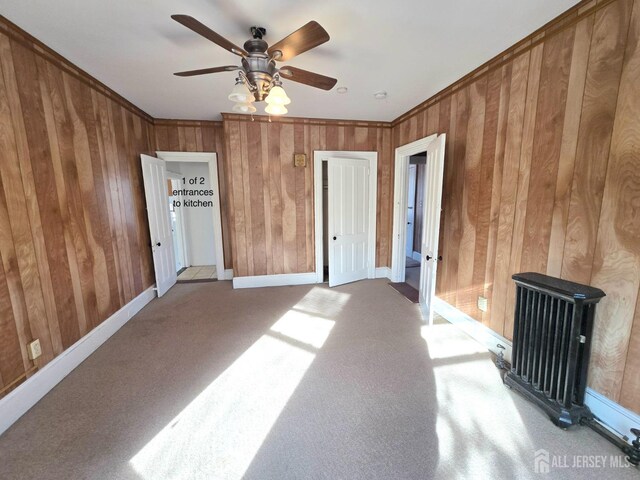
(320, 156)
(400, 190)
(212, 159)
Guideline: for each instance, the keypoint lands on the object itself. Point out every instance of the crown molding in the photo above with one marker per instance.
(304, 120)
(18, 35)
(170, 122)
(566, 20)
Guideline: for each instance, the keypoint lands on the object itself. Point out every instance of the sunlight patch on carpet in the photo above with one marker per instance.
(219, 433)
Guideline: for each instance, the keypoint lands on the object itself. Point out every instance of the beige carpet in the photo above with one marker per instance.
(288, 383)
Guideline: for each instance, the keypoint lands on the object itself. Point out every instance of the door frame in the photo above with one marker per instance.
(211, 158)
(180, 215)
(400, 191)
(320, 156)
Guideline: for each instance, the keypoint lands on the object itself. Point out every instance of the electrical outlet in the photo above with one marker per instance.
(34, 349)
(483, 304)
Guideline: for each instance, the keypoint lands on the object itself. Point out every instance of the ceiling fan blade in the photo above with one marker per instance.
(209, 34)
(305, 38)
(308, 78)
(204, 71)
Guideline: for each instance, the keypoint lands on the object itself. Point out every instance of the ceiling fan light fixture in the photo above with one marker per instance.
(275, 109)
(241, 93)
(277, 96)
(245, 107)
(258, 76)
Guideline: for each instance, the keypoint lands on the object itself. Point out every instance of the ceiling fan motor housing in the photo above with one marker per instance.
(258, 66)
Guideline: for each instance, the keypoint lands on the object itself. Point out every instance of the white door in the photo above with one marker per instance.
(348, 182)
(411, 211)
(154, 173)
(431, 224)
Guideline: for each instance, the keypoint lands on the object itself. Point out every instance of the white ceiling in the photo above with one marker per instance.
(410, 48)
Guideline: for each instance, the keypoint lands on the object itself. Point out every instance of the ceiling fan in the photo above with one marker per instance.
(259, 77)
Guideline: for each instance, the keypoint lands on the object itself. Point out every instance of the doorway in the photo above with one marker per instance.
(190, 206)
(432, 176)
(173, 249)
(345, 215)
(415, 204)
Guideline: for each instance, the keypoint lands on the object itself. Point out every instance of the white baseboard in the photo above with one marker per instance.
(383, 272)
(26, 395)
(226, 274)
(475, 329)
(275, 280)
(614, 416)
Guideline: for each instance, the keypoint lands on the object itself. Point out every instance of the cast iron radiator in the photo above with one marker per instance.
(551, 343)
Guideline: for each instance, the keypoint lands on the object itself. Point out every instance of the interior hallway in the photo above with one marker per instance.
(282, 383)
(412, 273)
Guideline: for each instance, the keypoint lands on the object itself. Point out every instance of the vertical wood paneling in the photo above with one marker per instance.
(496, 186)
(11, 362)
(174, 136)
(65, 164)
(552, 96)
(30, 247)
(466, 291)
(616, 267)
(524, 172)
(540, 174)
(256, 194)
(556, 192)
(572, 121)
(272, 224)
(594, 138)
(487, 160)
(508, 190)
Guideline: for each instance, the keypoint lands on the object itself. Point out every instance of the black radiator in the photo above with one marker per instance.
(551, 343)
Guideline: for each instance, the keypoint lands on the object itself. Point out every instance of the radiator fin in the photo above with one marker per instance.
(548, 358)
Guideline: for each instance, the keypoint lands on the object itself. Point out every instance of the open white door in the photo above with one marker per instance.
(348, 183)
(154, 173)
(431, 224)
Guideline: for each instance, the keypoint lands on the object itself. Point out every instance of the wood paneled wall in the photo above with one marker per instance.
(271, 212)
(543, 174)
(74, 245)
(200, 136)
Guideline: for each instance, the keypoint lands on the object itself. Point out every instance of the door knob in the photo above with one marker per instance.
(335, 238)
(428, 257)
(158, 244)
(439, 258)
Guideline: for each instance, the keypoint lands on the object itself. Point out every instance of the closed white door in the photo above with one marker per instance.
(348, 183)
(411, 210)
(154, 173)
(431, 224)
